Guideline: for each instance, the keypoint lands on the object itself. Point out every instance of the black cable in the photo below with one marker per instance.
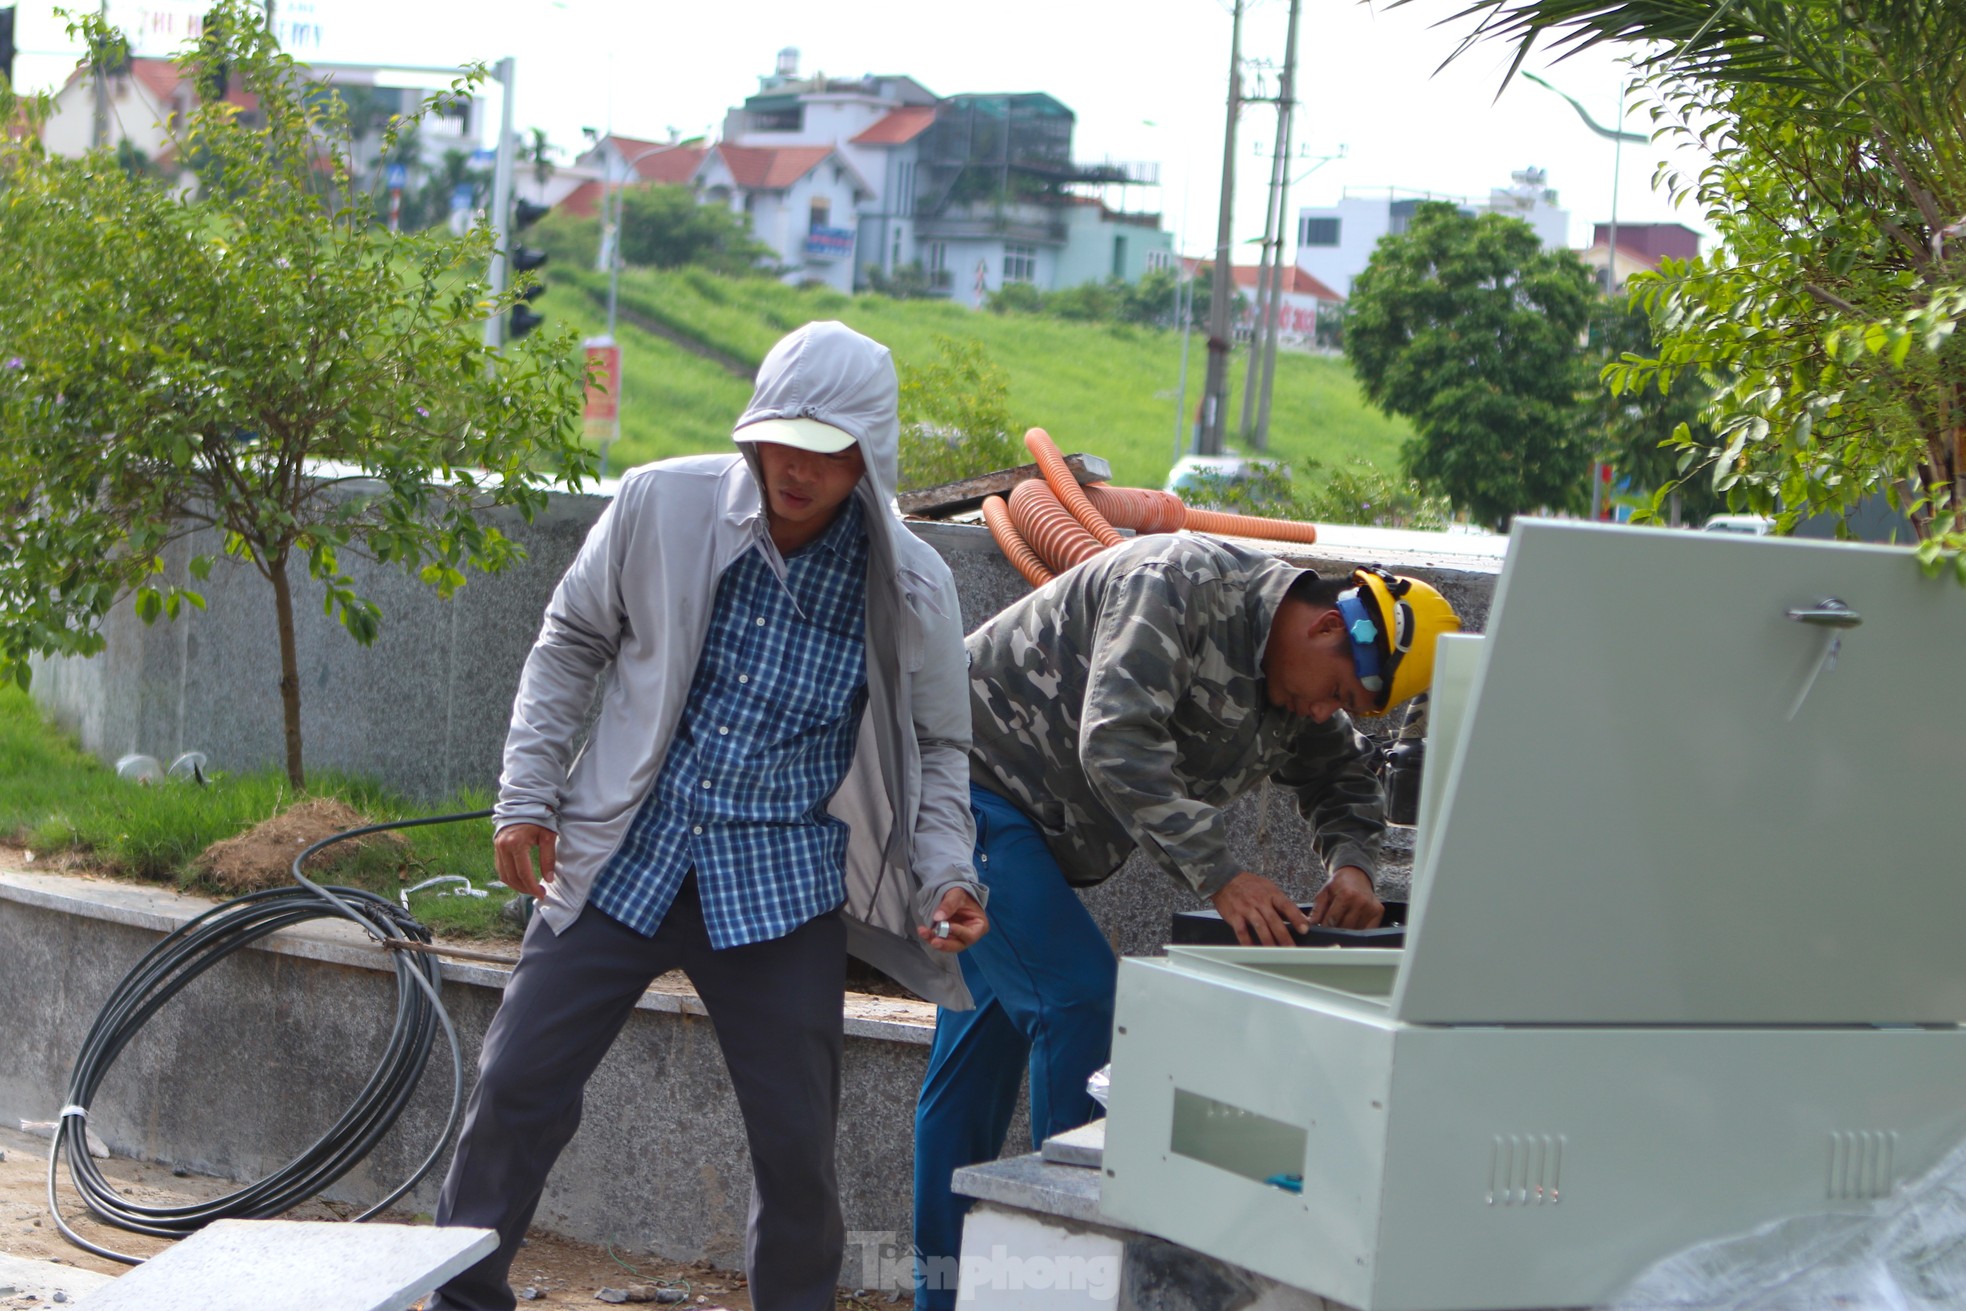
(194, 948)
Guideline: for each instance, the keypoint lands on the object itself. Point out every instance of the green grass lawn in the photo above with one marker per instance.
(55, 797)
(1105, 389)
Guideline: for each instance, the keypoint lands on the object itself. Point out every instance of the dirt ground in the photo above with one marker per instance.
(561, 1273)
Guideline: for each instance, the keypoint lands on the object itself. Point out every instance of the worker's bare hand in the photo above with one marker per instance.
(1259, 911)
(513, 850)
(966, 920)
(1347, 901)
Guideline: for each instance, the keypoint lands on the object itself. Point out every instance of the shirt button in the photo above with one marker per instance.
(697, 830)
(706, 782)
(761, 621)
(723, 732)
(743, 678)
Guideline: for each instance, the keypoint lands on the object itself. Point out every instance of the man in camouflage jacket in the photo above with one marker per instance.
(1122, 706)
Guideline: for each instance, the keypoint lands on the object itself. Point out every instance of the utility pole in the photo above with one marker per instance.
(1251, 375)
(1215, 388)
(501, 211)
(1286, 123)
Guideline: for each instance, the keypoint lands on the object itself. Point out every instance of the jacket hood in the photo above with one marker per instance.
(829, 372)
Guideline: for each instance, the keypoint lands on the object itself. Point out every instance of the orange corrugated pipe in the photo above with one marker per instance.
(1052, 523)
(1138, 508)
(1059, 474)
(1049, 527)
(1012, 543)
(1248, 525)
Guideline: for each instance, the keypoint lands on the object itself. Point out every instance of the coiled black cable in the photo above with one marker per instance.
(194, 948)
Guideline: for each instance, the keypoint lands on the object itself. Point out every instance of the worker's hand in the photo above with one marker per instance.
(512, 853)
(1347, 901)
(967, 922)
(1259, 911)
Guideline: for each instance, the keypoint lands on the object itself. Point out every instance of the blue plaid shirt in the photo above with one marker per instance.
(765, 740)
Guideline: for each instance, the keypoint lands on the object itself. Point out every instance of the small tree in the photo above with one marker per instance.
(663, 226)
(955, 416)
(1640, 431)
(173, 363)
(1835, 135)
(1470, 329)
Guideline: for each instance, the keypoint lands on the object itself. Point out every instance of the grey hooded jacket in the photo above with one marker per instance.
(636, 603)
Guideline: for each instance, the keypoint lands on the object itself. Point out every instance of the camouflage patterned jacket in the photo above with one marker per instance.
(1123, 705)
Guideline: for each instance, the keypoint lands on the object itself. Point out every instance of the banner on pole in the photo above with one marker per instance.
(603, 384)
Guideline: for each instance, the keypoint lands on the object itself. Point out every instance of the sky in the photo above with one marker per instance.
(1147, 79)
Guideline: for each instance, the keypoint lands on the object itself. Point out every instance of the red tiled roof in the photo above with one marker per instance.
(159, 77)
(584, 200)
(761, 168)
(629, 145)
(659, 161)
(1298, 283)
(899, 127)
(1600, 254)
(675, 165)
(1305, 285)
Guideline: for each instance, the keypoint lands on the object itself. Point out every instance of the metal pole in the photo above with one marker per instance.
(1617, 157)
(614, 248)
(501, 215)
(99, 134)
(1262, 295)
(1287, 114)
(1184, 299)
(1215, 389)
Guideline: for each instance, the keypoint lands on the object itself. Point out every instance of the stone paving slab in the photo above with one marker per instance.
(296, 1265)
(21, 1278)
(1030, 1183)
(1084, 1146)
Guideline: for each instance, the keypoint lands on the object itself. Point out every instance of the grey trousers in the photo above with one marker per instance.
(776, 1008)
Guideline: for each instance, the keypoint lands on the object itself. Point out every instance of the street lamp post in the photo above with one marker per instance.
(611, 199)
(612, 206)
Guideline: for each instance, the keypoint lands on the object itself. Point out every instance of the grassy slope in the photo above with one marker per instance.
(56, 797)
(1109, 390)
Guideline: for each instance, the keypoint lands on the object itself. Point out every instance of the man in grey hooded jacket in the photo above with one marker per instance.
(778, 775)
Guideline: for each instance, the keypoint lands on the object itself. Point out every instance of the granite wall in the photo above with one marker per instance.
(425, 708)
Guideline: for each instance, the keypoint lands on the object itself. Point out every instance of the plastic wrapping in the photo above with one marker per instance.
(1906, 1252)
(1100, 1085)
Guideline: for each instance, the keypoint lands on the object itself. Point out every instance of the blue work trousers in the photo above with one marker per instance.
(1043, 980)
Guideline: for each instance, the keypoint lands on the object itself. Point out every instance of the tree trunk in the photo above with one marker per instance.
(283, 604)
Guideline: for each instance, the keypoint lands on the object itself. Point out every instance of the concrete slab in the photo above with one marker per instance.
(1029, 1183)
(24, 1278)
(1084, 1146)
(296, 1265)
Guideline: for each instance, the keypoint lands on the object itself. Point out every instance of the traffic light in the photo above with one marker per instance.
(7, 46)
(525, 259)
(524, 318)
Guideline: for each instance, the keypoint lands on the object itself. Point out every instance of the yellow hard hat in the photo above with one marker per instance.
(1405, 616)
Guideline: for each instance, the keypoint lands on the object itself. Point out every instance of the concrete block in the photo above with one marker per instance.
(1084, 1146)
(296, 1265)
(1019, 1261)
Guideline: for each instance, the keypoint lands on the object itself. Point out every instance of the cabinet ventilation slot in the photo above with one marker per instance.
(1862, 1164)
(1525, 1169)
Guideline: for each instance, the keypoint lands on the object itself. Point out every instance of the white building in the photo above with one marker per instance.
(803, 202)
(1530, 198)
(848, 177)
(1334, 243)
(145, 104)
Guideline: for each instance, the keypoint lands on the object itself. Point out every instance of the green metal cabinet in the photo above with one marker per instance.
(1685, 952)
